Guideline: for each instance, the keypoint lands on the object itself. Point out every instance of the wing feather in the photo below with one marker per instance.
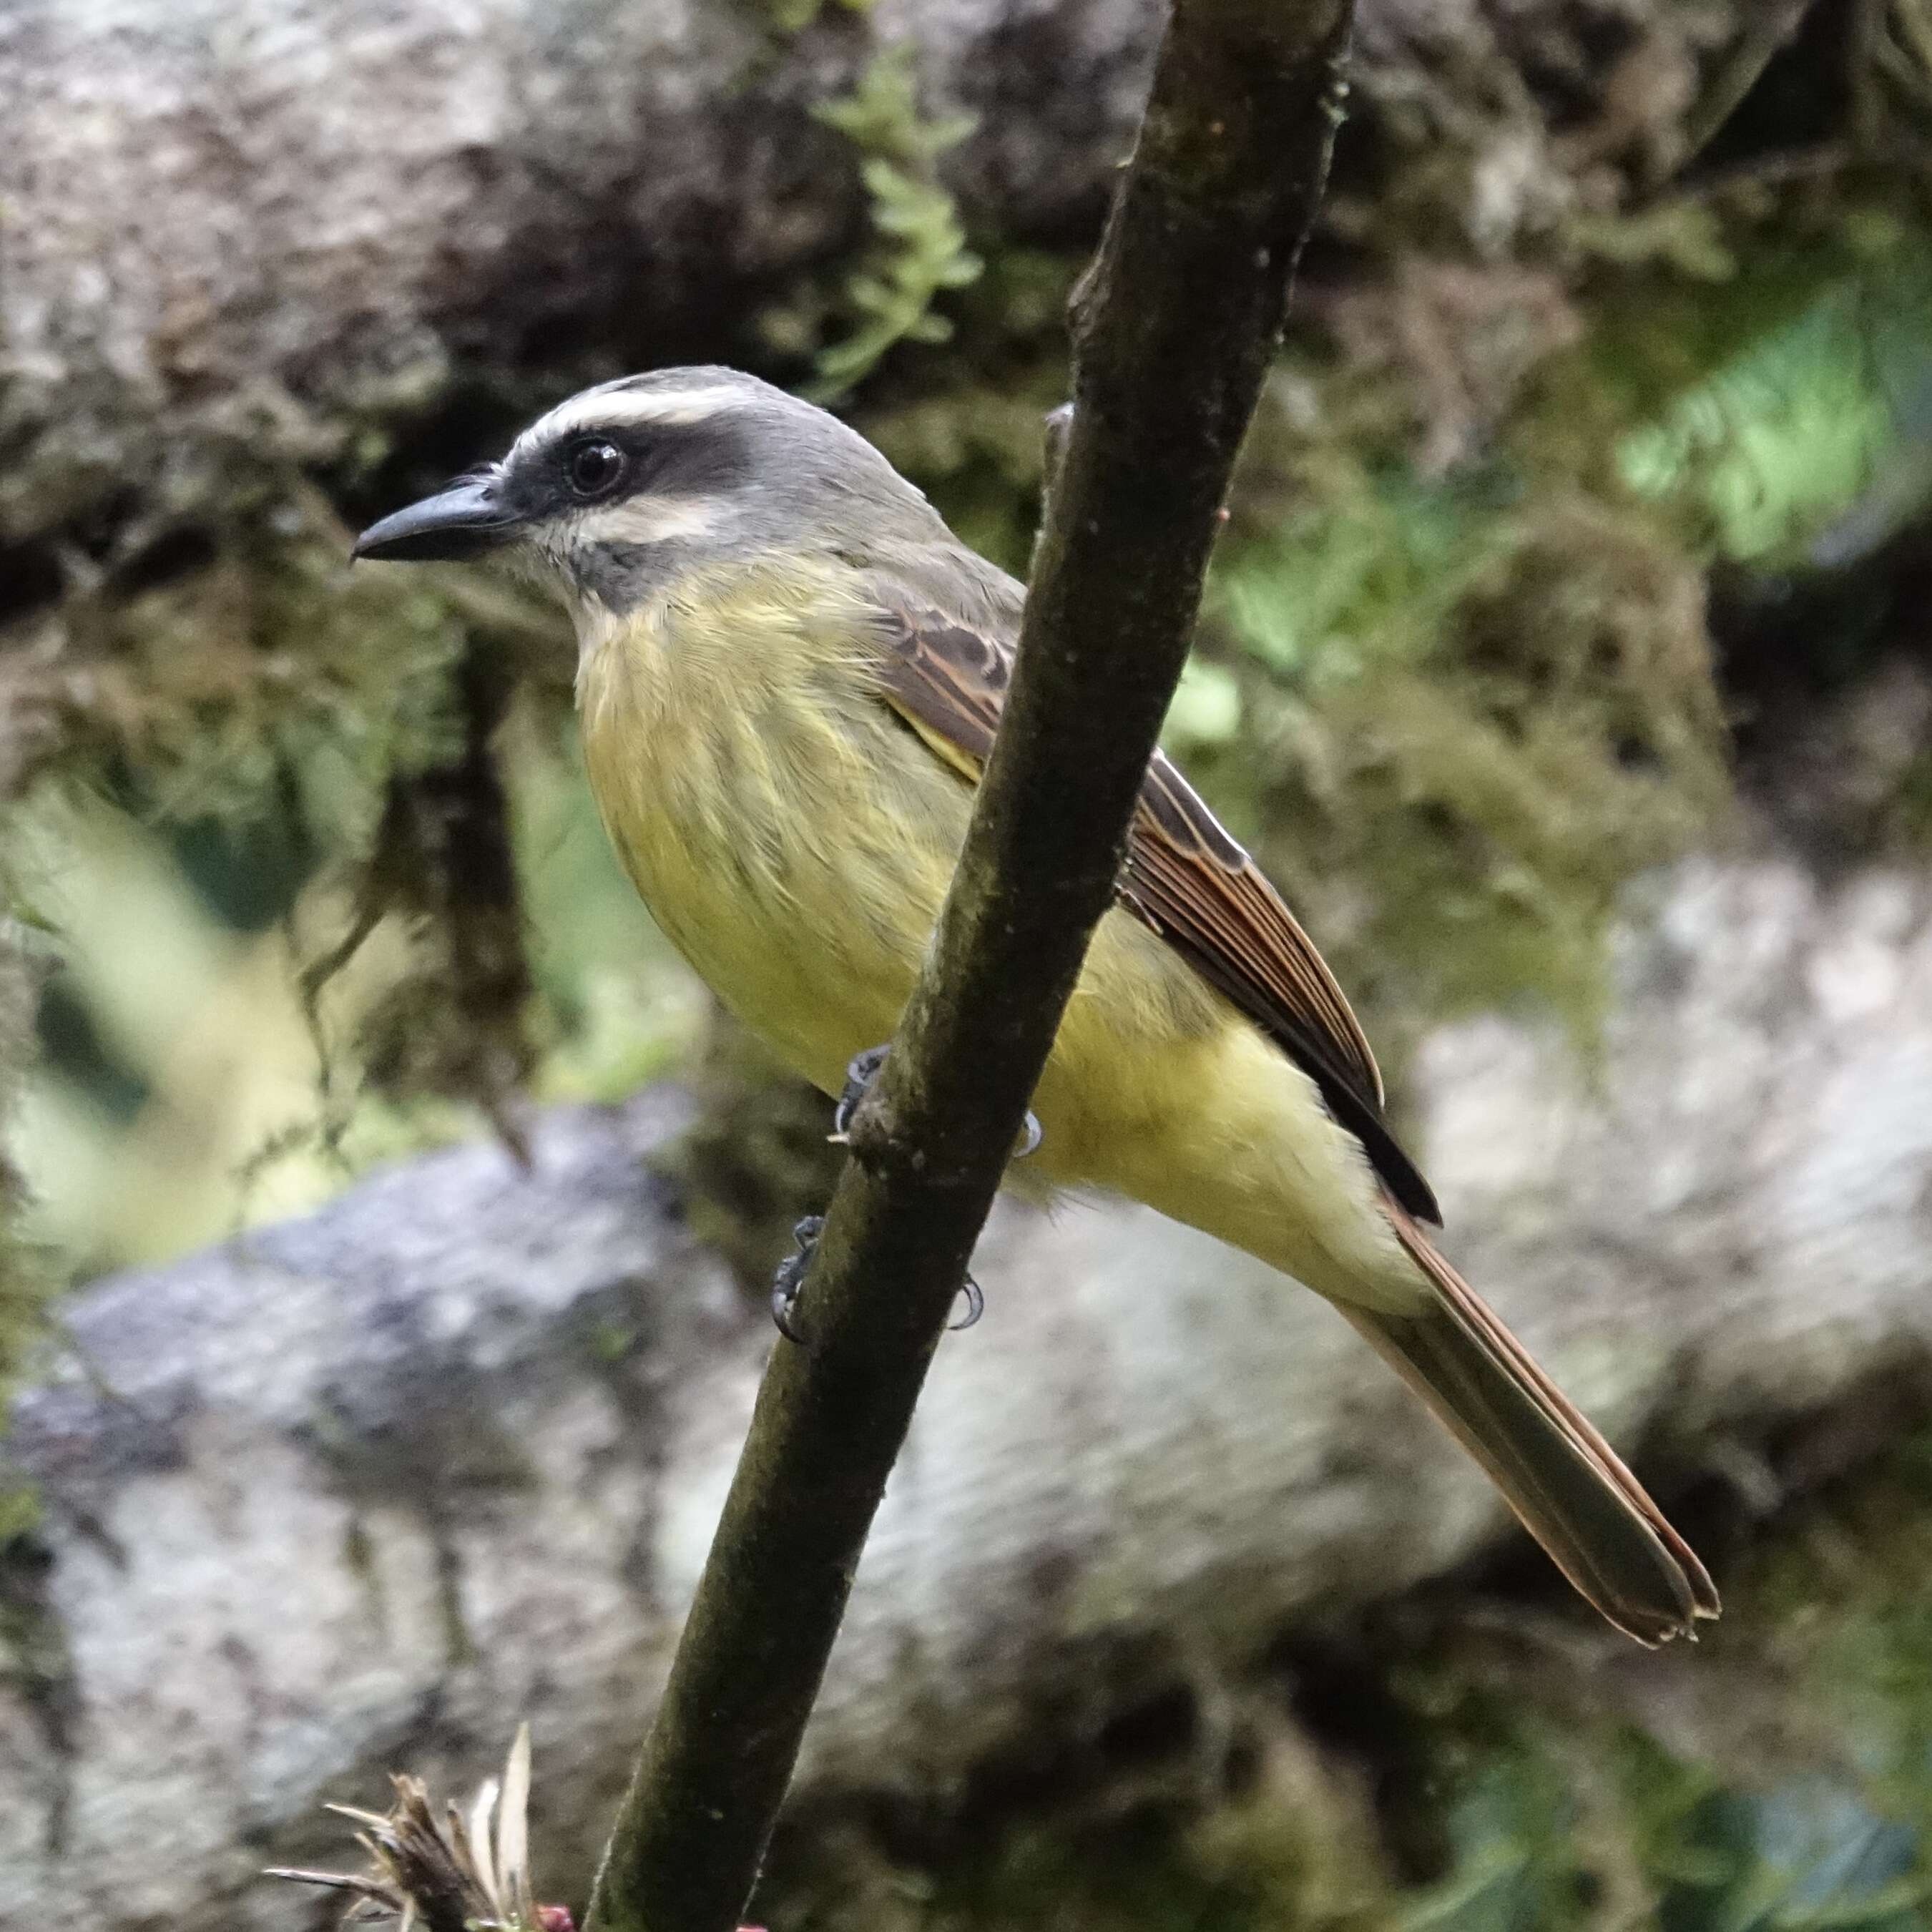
(1184, 878)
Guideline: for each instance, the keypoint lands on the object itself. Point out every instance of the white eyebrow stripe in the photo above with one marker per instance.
(650, 520)
(615, 408)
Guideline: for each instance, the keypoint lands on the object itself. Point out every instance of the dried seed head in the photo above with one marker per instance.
(454, 1873)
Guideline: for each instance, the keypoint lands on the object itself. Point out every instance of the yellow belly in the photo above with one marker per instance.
(797, 853)
(782, 850)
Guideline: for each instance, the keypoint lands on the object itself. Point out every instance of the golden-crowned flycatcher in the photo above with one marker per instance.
(789, 672)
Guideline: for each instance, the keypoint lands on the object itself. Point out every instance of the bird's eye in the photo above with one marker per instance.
(594, 467)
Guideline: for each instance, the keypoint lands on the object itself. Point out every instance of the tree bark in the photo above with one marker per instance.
(233, 236)
(362, 1490)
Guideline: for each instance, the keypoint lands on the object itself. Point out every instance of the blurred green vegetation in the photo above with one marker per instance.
(920, 250)
(189, 1086)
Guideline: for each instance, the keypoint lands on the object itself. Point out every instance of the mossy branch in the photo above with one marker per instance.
(1173, 329)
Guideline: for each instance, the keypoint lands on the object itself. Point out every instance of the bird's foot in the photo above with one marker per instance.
(788, 1283)
(860, 1074)
(860, 1071)
(789, 1280)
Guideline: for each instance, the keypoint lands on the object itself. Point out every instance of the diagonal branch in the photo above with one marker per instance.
(1173, 329)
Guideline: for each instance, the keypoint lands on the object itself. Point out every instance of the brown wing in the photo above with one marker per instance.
(1183, 876)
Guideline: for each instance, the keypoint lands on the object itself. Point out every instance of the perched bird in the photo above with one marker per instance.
(789, 672)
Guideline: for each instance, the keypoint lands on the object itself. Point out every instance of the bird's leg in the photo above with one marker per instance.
(789, 1280)
(864, 1069)
(860, 1071)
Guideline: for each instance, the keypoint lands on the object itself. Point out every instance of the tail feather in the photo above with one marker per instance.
(1563, 1480)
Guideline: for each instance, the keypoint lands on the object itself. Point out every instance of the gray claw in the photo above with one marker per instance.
(789, 1280)
(860, 1074)
(976, 1306)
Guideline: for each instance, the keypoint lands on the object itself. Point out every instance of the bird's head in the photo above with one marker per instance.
(620, 491)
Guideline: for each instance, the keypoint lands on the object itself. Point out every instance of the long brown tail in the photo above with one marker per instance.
(1565, 1482)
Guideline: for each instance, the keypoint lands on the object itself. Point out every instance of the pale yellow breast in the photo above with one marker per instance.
(760, 799)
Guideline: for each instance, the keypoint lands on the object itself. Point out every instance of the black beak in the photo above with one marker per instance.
(462, 521)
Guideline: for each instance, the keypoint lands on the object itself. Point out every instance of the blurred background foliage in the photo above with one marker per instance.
(1427, 1768)
(1457, 685)
(1576, 467)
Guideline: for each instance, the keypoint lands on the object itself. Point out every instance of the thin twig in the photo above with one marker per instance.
(1173, 328)
(1740, 70)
